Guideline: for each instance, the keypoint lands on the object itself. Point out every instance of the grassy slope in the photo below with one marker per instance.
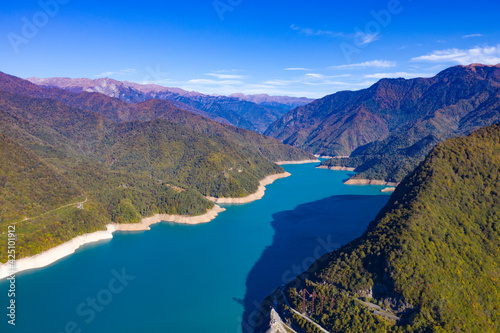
(118, 111)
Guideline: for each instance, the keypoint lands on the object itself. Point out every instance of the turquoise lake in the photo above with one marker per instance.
(199, 278)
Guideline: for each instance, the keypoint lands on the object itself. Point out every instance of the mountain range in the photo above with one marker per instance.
(126, 161)
(254, 112)
(388, 128)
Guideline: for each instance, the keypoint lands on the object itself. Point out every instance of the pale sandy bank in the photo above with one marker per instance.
(52, 255)
(254, 196)
(182, 219)
(297, 162)
(47, 257)
(336, 168)
(356, 181)
(388, 189)
(326, 156)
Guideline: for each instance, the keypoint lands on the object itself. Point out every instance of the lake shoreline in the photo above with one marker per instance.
(259, 194)
(361, 181)
(335, 168)
(297, 162)
(65, 249)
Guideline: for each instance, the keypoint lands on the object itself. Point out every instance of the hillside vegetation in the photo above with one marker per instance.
(268, 147)
(28, 185)
(57, 159)
(431, 257)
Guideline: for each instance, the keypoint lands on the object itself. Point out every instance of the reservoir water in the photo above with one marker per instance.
(199, 278)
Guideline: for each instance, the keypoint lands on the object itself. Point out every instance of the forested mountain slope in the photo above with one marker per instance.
(55, 155)
(429, 262)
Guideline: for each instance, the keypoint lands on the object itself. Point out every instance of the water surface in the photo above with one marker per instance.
(201, 278)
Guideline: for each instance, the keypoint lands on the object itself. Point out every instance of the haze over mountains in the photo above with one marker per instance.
(255, 112)
(388, 128)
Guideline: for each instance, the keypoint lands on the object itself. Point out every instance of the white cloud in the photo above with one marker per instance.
(373, 63)
(279, 82)
(364, 38)
(360, 38)
(315, 79)
(485, 55)
(472, 35)
(405, 75)
(313, 32)
(315, 75)
(228, 87)
(225, 76)
(228, 71)
(157, 82)
(296, 69)
(128, 71)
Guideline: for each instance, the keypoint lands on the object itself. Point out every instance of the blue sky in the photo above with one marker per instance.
(300, 48)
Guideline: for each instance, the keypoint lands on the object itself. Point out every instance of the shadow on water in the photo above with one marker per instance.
(301, 236)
